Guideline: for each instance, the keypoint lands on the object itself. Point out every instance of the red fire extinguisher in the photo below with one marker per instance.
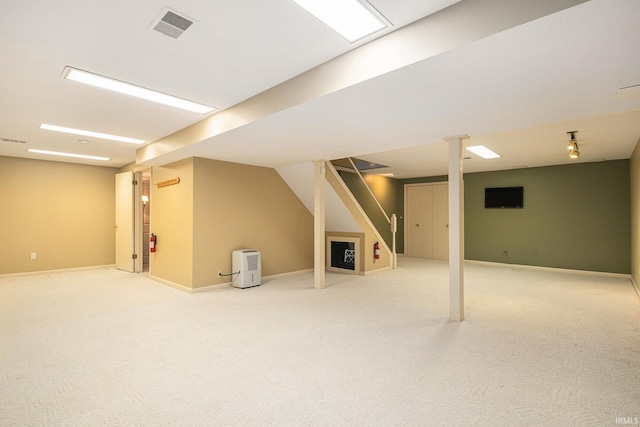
(152, 242)
(376, 251)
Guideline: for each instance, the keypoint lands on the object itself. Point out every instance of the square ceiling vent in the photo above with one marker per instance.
(171, 23)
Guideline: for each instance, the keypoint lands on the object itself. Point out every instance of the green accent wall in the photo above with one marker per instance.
(635, 215)
(574, 216)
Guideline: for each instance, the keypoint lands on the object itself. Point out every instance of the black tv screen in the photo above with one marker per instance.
(505, 197)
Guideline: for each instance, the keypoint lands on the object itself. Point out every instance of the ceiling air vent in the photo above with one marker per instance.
(17, 141)
(171, 23)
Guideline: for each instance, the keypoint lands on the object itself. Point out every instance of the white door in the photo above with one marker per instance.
(441, 221)
(427, 221)
(125, 222)
(419, 218)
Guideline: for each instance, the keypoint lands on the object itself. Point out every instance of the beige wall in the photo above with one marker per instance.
(131, 167)
(239, 206)
(635, 214)
(172, 222)
(219, 207)
(61, 211)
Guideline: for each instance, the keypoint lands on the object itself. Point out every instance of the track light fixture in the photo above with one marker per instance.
(574, 153)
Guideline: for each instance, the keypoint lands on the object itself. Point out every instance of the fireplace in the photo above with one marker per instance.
(343, 254)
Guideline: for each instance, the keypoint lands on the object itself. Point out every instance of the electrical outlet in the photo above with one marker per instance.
(33, 255)
(219, 273)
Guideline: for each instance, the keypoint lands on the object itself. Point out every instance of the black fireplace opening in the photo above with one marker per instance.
(343, 255)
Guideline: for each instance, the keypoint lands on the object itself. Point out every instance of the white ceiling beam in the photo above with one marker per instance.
(457, 25)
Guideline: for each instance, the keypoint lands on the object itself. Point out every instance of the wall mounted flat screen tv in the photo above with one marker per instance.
(504, 197)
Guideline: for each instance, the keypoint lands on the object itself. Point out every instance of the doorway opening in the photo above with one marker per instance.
(146, 218)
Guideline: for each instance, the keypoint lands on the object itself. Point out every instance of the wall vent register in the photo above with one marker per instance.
(171, 23)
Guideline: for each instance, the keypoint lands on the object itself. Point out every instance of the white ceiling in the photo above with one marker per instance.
(518, 91)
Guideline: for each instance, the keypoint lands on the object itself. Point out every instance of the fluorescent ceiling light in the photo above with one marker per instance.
(349, 18)
(58, 153)
(90, 133)
(133, 90)
(483, 152)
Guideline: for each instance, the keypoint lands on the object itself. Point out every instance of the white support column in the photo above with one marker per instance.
(319, 226)
(456, 228)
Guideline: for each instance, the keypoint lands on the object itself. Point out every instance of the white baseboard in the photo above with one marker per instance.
(554, 269)
(188, 289)
(377, 270)
(291, 273)
(220, 285)
(171, 284)
(61, 270)
(210, 287)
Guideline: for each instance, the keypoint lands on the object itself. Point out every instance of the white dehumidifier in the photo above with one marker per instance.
(246, 267)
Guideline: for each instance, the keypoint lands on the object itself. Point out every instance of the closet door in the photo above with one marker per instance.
(427, 221)
(419, 221)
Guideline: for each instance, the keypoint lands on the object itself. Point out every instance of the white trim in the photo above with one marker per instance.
(350, 239)
(211, 287)
(62, 270)
(171, 284)
(635, 285)
(220, 285)
(378, 270)
(291, 273)
(552, 269)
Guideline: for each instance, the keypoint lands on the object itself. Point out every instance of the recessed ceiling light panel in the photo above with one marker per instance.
(483, 152)
(59, 153)
(91, 133)
(107, 83)
(352, 19)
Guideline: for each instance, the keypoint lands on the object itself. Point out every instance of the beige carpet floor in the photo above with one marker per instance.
(107, 348)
